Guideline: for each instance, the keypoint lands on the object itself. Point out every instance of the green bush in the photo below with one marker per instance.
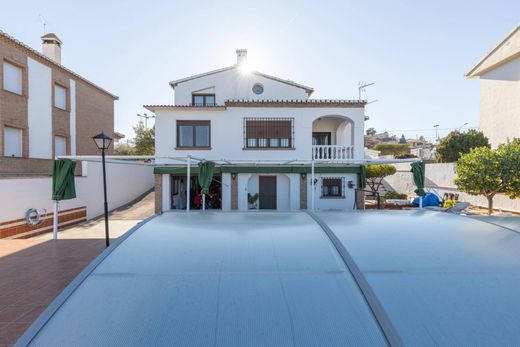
(395, 195)
(392, 149)
(456, 143)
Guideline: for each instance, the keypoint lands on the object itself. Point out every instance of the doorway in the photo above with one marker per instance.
(267, 192)
(321, 139)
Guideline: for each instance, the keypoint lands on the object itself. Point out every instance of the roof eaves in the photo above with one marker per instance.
(309, 90)
(471, 73)
(173, 84)
(41, 56)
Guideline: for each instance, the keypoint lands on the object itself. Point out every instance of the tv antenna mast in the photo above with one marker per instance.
(361, 88)
(44, 23)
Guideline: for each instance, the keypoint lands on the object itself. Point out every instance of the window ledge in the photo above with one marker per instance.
(268, 149)
(61, 109)
(14, 93)
(193, 148)
(333, 197)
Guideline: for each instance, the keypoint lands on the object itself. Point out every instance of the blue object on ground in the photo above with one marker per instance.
(429, 199)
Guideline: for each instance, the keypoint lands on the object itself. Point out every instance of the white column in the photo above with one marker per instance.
(55, 221)
(312, 185)
(188, 183)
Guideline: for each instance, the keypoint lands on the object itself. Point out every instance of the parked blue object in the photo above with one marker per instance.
(429, 199)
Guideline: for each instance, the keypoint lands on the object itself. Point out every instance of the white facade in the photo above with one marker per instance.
(39, 109)
(238, 96)
(499, 74)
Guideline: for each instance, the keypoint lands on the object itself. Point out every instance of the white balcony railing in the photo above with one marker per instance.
(333, 152)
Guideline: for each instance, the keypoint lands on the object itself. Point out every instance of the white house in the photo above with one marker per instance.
(262, 132)
(499, 73)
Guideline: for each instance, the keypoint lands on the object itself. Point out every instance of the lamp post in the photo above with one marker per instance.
(103, 142)
(436, 126)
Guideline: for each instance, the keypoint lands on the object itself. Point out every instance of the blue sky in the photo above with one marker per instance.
(415, 52)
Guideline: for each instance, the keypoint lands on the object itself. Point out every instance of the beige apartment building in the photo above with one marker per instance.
(46, 109)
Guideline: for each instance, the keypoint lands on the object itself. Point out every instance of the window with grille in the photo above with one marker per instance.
(332, 187)
(191, 134)
(203, 99)
(268, 133)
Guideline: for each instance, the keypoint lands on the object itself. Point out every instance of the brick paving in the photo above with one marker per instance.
(34, 271)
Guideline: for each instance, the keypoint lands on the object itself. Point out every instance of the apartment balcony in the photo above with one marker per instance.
(332, 152)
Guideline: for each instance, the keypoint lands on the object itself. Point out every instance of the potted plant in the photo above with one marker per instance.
(252, 199)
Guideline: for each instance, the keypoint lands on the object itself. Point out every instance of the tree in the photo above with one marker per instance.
(371, 132)
(376, 173)
(124, 149)
(402, 140)
(456, 143)
(392, 149)
(144, 140)
(484, 171)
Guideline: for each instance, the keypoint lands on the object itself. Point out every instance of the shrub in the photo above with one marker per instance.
(376, 173)
(392, 149)
(395, 195)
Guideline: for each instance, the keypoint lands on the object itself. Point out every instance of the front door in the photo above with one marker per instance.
(267, 192)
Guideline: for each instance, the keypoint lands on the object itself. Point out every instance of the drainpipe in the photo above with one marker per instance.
(312, 185)
(188, 183)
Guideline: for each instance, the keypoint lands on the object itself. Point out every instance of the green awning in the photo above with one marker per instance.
(63, 187)
(418, 171)
(205, 175)
(362, 177)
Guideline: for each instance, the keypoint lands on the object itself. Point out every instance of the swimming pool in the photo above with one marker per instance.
(280, 278)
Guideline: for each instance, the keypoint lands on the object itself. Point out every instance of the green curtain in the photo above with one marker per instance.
(362, 177)
(418, 170)
(205, 175)
(63, 187)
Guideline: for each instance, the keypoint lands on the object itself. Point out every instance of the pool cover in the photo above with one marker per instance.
(279, 279)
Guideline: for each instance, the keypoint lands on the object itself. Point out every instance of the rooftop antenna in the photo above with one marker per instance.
(145, 116)
(44, 23)
(361, 87)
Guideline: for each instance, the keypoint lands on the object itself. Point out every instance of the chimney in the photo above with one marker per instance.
(51, 47)
(241, 56)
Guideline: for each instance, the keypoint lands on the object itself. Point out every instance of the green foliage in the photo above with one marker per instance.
(380, 170)
(395, 195)
(484, 171)
(252, 199)
(456, 143)
(376, 173)
(392, 149)
(405, 156)
(124, 149)
(402, 139)
(371, 131)
(144, 140)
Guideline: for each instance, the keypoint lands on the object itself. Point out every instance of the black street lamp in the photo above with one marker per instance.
(103, 142)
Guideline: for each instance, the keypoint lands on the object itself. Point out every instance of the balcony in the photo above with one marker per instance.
(332, 152)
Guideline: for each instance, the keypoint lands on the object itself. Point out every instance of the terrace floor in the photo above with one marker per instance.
(34, 271)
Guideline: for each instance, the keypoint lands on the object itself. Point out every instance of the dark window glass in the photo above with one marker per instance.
(204, 100)
(193, 133)
(332, 187)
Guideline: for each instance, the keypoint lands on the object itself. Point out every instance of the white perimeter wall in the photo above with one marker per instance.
(441, 177)
(124, 183)
(40, 110)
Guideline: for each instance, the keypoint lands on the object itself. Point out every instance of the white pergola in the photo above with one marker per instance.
(188, 160)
